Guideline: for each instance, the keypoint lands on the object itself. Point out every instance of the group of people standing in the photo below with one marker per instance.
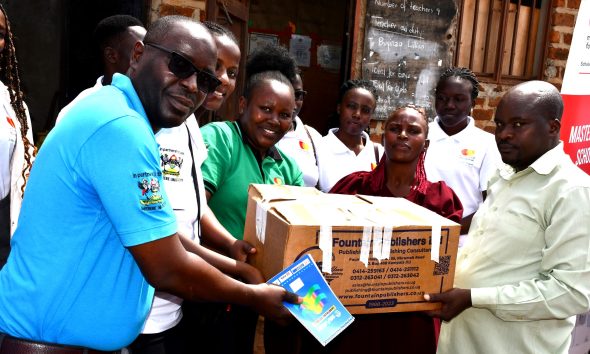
(131, 231)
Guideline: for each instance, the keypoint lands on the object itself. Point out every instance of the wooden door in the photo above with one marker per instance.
(232, 14)
(325, 25)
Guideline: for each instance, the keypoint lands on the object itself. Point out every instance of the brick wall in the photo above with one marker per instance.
(562, 20)
(189, 8)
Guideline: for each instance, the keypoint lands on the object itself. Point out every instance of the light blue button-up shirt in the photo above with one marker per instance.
(526, 261)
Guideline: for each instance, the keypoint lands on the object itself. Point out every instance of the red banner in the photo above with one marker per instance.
(575, 129)
(575, 90)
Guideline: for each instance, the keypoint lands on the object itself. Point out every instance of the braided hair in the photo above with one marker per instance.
(462, 73)
(420, 180)
(334, 118)
(352, 84)
(9, 76)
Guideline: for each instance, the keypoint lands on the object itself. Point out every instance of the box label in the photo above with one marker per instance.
(395, 284)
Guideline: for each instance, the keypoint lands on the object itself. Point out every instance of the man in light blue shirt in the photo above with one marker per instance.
(96, 230)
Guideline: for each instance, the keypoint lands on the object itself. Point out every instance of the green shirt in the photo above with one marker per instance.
(231, 166)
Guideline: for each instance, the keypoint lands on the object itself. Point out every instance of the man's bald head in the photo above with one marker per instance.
(541, 97)
(528, 122)
(164, 27)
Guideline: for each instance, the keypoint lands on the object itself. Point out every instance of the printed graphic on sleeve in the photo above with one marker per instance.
(149, 185)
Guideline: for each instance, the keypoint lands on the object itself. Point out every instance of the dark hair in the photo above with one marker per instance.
(9, 76)
(255, 80)
(462, 73)
(553, 105)
(162, 26)
(219, 31)
(271, 57)
(352, 84)
(271, 62)
(334, 117)
(110, 27)
(418, 109)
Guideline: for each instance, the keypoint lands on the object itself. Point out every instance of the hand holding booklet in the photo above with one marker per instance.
(321, 312)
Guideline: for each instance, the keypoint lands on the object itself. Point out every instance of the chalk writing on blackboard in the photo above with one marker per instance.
(406, 46)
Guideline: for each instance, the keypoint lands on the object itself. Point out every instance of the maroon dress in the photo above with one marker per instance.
(404, 332)
(436, 197)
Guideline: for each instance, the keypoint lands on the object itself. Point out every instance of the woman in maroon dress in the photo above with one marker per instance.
(400, 173)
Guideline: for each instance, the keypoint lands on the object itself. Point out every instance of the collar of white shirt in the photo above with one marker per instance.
(436, 133)
(337, 146)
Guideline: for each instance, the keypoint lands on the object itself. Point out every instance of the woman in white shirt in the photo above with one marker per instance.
(348, 148)
(301, 142)
(16, 139)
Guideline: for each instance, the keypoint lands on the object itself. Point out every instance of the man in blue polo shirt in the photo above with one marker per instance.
(96, 229)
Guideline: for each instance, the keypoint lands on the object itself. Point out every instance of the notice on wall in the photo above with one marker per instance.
(575, 123)
(329, 57)
(258, 40)
(299, 47)
(407, 44)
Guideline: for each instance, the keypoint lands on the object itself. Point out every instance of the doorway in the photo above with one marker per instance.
(317, 33)
(56, 54)
(81, 63)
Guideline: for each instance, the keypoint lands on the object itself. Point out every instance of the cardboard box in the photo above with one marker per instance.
(284, 223)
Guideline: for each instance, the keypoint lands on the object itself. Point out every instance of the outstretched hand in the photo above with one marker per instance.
(269, 302)
(453, 302)
(240, 250)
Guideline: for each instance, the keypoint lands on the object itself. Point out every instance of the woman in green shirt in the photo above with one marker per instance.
(242, 152)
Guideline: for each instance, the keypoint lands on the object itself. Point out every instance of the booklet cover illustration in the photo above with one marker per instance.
(321, 312)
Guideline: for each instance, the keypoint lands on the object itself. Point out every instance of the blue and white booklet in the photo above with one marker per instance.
(321, 312)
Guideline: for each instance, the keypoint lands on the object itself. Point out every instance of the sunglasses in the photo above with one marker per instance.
(300, 95)
(183, 68)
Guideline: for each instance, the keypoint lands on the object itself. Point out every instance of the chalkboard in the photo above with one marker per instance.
(407, 43)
